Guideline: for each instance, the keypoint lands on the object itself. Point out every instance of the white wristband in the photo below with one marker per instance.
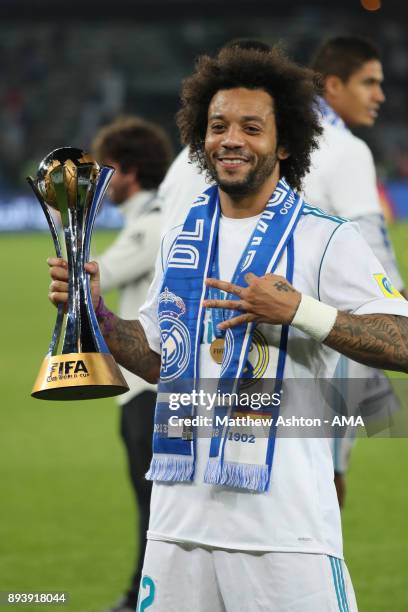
(314, 318)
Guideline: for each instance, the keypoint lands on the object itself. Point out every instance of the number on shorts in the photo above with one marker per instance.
(146, 602)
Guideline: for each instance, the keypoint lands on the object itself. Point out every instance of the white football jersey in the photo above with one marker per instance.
(299, 512)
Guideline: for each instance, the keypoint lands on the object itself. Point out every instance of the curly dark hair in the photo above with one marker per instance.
(136, 145)
(292, 88)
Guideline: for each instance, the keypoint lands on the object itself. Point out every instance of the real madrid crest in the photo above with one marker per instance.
(175, 338)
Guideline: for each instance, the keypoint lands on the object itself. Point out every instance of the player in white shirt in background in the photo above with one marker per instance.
(140, 152)
(342, 181)
(238, 524)
(342, 178)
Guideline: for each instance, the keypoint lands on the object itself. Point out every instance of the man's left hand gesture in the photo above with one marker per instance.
(267, 299)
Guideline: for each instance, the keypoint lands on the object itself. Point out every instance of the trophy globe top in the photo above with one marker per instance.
(68, 160)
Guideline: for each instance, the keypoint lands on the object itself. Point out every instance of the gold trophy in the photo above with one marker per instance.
(72, 183)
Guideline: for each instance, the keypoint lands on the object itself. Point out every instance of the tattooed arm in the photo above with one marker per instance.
(128, 344)
(377, 340)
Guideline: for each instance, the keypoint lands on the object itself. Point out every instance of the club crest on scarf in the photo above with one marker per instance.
(175, 339)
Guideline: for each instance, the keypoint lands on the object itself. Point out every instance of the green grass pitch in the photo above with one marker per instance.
(66, 510)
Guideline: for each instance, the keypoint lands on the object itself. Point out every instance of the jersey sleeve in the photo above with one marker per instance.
(352, 279)
(375, 232)
(351, 184)
(148, 315)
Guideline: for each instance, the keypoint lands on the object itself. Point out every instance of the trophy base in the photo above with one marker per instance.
(79, 376)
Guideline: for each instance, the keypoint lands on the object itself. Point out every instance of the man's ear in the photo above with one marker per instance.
(133, 174)
(333, 85)
(282, 153)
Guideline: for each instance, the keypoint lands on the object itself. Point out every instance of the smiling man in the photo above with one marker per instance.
(238, 521)
(243, 157)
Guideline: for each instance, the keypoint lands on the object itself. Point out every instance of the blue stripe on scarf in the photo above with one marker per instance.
(281, 362)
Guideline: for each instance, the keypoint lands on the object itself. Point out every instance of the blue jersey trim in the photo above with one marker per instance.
(323, 256)
(318, 212)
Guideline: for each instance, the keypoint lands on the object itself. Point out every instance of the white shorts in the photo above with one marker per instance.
(186, 578)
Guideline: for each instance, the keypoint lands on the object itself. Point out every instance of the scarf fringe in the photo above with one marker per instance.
(171, 469)
(244, 476)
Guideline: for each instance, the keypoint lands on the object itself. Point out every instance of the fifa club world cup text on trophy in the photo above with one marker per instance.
(71, 182)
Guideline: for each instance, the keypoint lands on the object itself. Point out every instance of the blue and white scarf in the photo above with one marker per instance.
(329, 115)
(181, 317)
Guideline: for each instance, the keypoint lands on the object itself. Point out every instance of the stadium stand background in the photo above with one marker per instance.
(66, 72)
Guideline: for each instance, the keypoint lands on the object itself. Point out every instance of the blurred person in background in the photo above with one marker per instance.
(140, 153)
(342, 181)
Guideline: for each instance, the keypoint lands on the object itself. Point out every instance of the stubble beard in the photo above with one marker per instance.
(251, 183)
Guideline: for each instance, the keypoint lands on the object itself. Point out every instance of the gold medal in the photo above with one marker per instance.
(217, 349)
